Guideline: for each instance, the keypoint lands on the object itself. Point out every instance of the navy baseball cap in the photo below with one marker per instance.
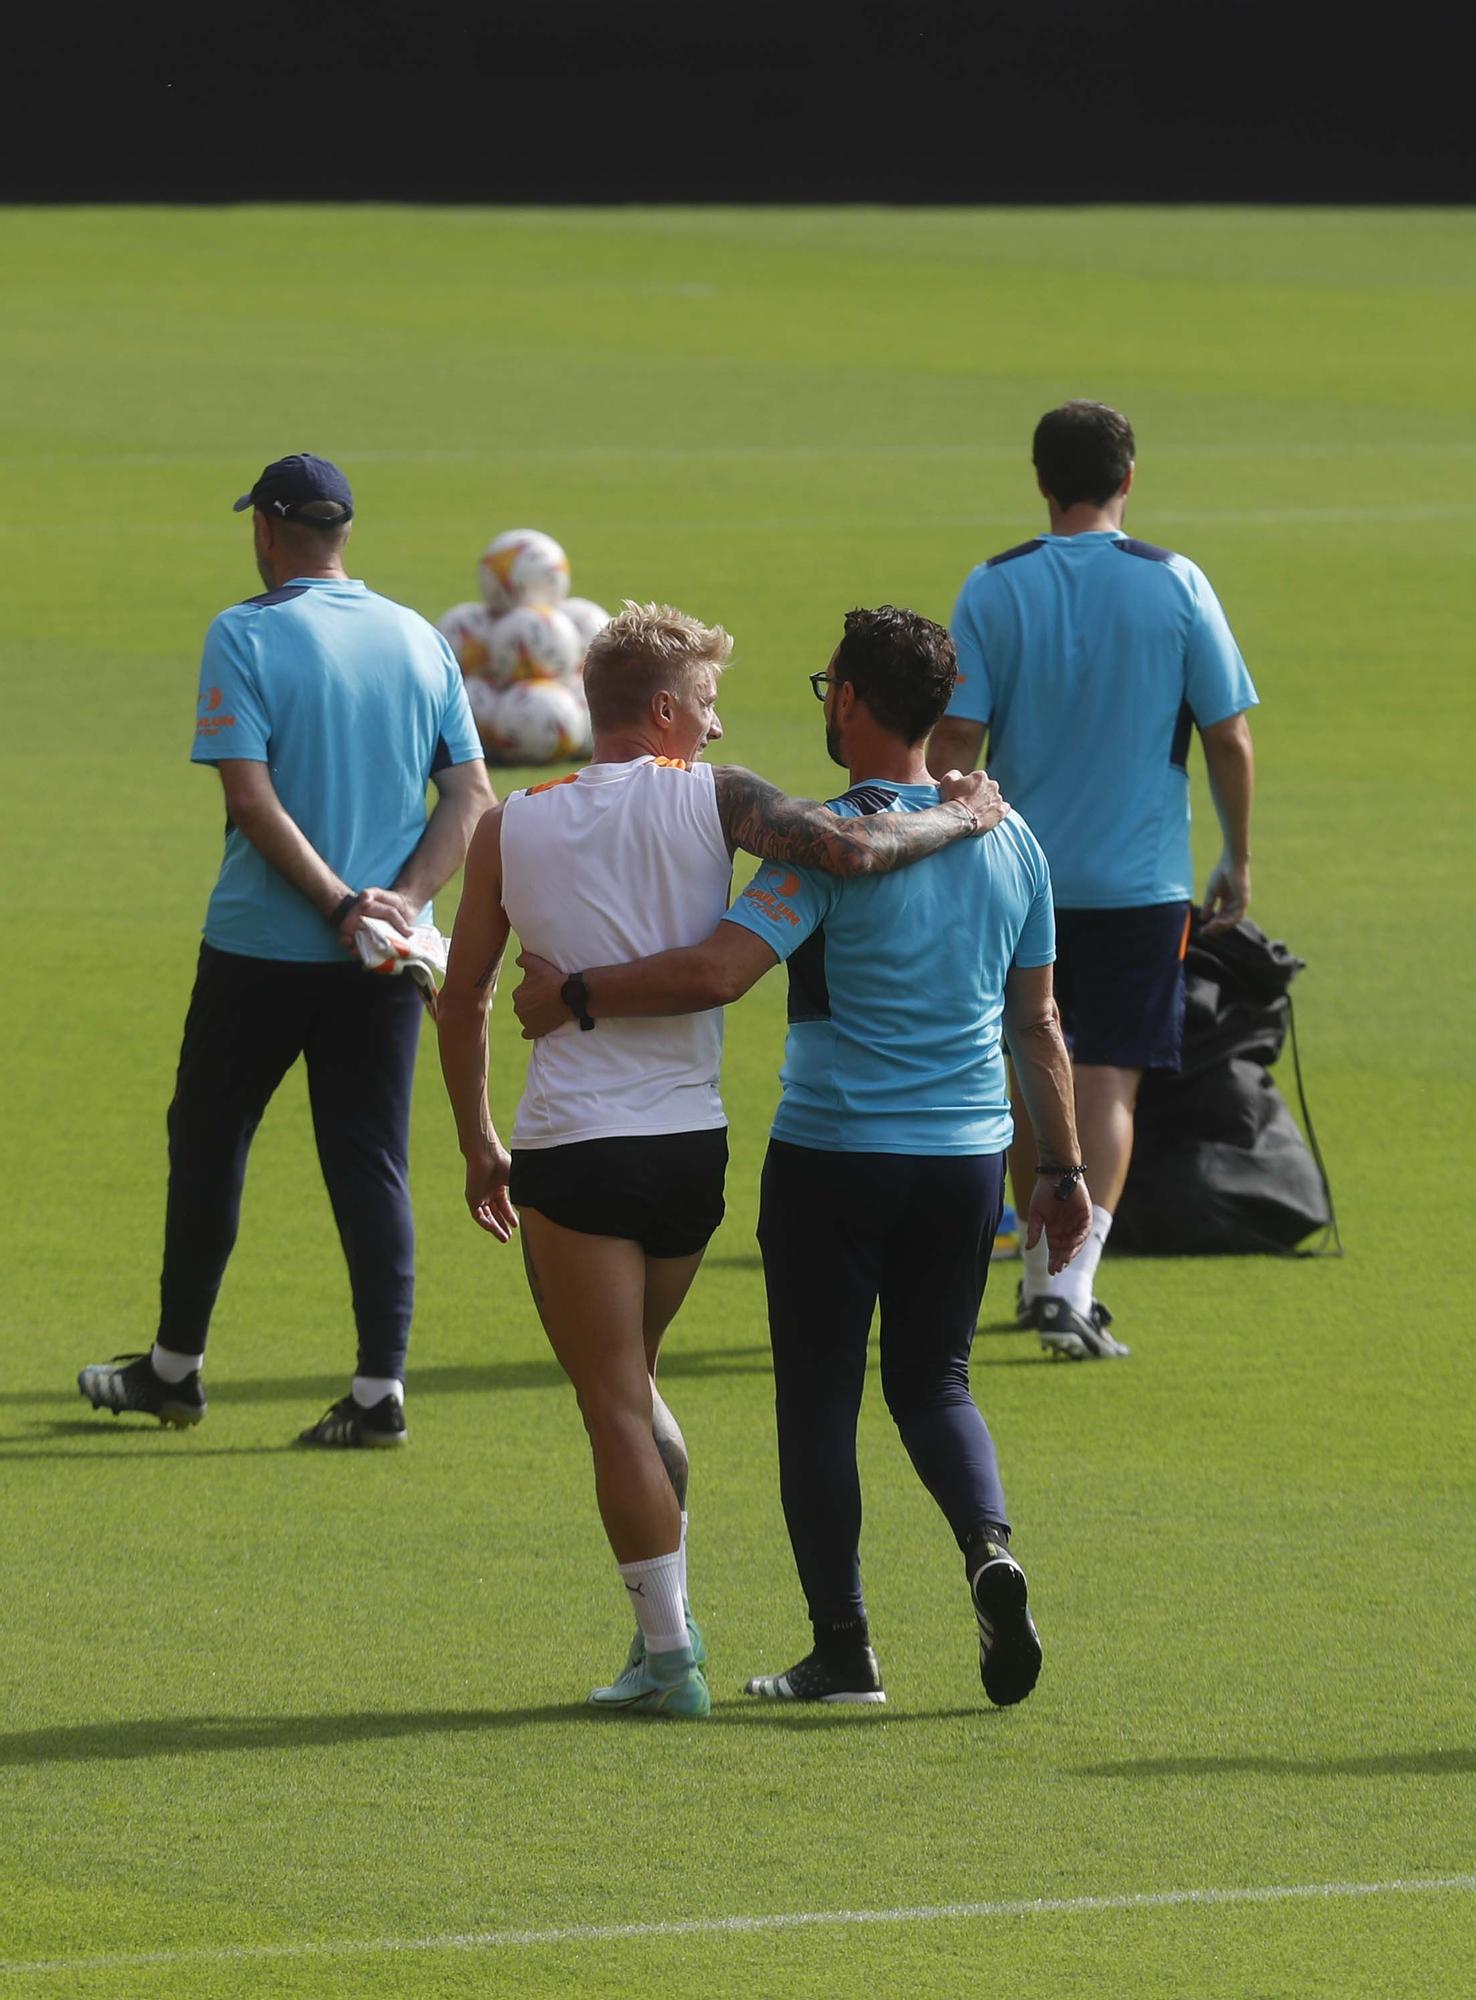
(289, 484)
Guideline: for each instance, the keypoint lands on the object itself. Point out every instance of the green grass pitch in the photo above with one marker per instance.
(273, 1721)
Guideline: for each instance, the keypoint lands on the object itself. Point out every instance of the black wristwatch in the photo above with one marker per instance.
(1065, 1178)
(575, 996)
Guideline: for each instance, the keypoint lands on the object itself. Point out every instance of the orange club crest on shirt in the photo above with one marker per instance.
(211, 721)
(772, 901)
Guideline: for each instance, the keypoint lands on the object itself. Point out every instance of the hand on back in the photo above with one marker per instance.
(537, 1001)
(387, 904)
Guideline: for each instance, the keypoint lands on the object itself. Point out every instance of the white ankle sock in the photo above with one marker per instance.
(171, 1367)
(1036, 1268)
(655, 1591)
(682, 1565)
(372, 1389)
(1074, 1284)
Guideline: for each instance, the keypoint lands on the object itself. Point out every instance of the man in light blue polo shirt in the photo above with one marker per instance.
(1091, 659)
(885, 1172)
(326, 710)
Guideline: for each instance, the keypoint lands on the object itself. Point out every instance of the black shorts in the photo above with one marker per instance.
(1120, 984)
(665, 1193)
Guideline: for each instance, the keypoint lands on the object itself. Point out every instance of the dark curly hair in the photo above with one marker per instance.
(1082, 452)
(901, 665)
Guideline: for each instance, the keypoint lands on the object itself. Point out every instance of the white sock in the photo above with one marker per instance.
(171, 1367)
(682, 1565)
(1074, 1284)
(1037, 1273)
(372, 1389)
(655, 1591)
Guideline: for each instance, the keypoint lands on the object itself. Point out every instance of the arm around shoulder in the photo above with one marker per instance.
(766, 822)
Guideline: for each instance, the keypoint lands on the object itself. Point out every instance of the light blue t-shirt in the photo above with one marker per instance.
(1090, 657)
(896, 986)
(352, 703)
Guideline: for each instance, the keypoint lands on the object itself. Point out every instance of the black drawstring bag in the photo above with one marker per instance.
(1219, 1165)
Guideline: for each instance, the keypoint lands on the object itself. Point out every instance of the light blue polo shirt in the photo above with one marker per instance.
(896, 986)
(1090, 657)
(352, 702)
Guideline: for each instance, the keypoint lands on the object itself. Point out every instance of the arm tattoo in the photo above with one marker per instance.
(489, 972)
(762, 820)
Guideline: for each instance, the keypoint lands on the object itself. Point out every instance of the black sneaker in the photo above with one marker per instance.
(349, 1426)
(856, 1679)
(1009, 1645)
(1073, 1336)
(128, 1382)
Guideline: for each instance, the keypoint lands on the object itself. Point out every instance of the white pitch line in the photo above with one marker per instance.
(1034, 1906)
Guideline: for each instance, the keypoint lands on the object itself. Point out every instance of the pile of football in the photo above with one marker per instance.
(521, 646)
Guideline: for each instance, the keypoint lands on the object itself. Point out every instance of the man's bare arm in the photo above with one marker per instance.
(463, 794)
(477, 944)
(257, 812)
(1231, 764)
(762, 820)
(688, 980)
(955, 745)
(1032, 1026)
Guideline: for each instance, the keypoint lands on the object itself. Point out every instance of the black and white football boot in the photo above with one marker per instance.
(1009, 1645)
(1072, 1336)
(128, 1382)
(856, 1677)
(347, 1425)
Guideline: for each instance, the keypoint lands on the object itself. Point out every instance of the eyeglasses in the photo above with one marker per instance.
(819, 682)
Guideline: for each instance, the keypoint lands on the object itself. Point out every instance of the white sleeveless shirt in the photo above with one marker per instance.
(617, 862)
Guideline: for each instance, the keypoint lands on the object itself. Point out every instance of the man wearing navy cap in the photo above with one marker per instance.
(326, 710)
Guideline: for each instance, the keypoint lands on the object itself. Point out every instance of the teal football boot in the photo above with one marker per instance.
(659, 1684)
(695, 1640)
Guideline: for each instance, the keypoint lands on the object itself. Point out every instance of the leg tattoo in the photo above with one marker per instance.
(671, 1445)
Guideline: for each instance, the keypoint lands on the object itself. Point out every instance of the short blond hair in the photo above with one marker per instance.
(644, 649)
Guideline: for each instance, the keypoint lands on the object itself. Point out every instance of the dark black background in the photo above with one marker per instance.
(571, 100)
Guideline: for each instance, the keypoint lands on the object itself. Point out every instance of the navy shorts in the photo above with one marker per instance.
(665, 1192)
(1120, 984)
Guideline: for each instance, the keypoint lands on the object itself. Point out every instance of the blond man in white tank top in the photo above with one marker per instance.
(620, 1143)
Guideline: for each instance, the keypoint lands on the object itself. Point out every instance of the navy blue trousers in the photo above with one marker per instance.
(249, 1021)
(840, 1233)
